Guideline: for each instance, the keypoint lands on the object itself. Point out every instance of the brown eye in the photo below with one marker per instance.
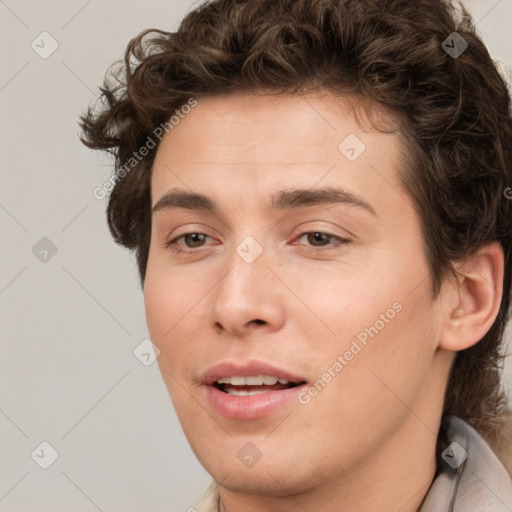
(190, 241)
(316, 238)
(322, 240)
(194, 239)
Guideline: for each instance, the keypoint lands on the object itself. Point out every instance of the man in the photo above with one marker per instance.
(316, 194)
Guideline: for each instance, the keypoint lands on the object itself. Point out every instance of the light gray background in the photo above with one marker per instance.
(69, 326)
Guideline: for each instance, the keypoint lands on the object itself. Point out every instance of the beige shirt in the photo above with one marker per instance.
(472, 480)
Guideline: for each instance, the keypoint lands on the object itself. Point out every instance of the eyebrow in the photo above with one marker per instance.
(281, 200)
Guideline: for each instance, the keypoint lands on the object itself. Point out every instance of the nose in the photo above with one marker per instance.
(248, 297)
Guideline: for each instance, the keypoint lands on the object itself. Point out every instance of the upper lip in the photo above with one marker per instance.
(232, 369)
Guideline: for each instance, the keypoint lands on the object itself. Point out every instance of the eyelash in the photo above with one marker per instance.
(173, 244)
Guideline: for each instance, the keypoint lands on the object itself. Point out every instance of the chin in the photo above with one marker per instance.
(272, 475)
(261, 483)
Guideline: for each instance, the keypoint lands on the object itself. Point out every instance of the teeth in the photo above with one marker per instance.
(252, 380)
(243, 392)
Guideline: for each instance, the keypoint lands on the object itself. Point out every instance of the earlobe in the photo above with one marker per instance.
(476, 298)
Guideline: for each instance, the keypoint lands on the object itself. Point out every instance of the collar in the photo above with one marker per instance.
(471, 479)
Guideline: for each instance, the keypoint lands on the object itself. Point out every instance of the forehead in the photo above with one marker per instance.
(242, 142)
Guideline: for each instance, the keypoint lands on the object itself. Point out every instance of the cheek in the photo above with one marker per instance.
(380, 381)
(166, 305)
(385, 326)
(175, 308)
(393, 366)
(157, 302)
(167, 295)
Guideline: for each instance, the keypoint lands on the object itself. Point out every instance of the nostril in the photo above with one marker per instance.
(259, 322)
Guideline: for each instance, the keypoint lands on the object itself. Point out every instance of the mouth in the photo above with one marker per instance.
(253, 385)
(251, 390)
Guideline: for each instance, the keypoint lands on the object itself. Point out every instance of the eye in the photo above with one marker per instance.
(192, 241)
(319, 239)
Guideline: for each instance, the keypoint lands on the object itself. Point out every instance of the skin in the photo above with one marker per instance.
(367, 440)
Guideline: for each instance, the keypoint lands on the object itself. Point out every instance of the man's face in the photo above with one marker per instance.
(333, 295)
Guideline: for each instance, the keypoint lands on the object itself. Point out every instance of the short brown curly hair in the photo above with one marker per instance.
(454, 114)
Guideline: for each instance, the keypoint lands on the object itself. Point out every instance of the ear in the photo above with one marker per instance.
(473, 300)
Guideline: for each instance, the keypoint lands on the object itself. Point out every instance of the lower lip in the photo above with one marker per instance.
(250, 407)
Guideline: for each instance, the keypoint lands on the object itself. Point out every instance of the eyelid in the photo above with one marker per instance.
(173, 240)
(339, 240)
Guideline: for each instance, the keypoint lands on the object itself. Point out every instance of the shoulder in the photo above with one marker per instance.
(503, 447)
